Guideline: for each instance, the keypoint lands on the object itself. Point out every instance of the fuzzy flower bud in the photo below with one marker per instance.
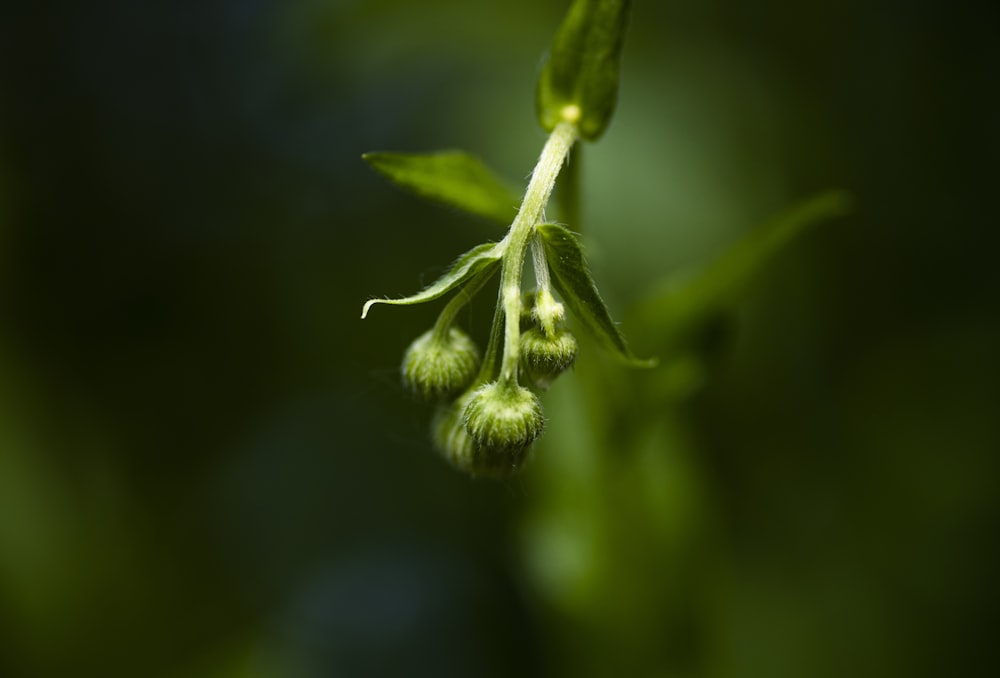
(450, 437)
(544, 357)
(435, 368)
(489, 431)
(502, 421)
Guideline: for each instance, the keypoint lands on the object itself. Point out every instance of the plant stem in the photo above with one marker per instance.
(490, 358)
(539, 263)
(457, 303)
(543, 179)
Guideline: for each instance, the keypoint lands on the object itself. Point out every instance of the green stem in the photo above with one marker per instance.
(457, 303)
(543, 179)
(540, 265)
(490, 359)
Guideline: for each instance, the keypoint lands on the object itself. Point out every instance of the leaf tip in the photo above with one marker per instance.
(367, 307)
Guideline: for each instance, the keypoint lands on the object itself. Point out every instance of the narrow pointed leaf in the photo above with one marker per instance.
(572, 279)
(582, 67)
(454, 178)
(481, 260)
(680, 312)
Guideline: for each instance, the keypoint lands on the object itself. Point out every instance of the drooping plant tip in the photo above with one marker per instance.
(488, 418)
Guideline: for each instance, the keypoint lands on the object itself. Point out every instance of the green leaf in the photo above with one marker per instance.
(678, 313)
(482, 260)
(451, 177)
(572, 280)
(582, 67)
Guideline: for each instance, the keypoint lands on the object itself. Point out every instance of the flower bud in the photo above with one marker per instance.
(543, 357)
(502, 421)
(450, 437)
(435, 368)
(453, 442)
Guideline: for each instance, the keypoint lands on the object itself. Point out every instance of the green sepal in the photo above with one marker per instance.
(453, 178)
(482, 260)
(679, 314)
(572, 279)
(582, 67)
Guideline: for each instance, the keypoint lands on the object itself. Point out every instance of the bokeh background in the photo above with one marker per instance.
(208, 466)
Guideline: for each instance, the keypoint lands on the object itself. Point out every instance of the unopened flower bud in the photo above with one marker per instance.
(544, 357)
(502, 421)
(436, 368)
(453, 441)
(450, 437)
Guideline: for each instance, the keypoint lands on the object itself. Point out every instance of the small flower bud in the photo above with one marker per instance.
(544, 357)
(436, 369)
(502, 422)
(499, 454)
(450, 437)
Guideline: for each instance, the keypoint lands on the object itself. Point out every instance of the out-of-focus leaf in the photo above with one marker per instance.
(582, 67)
(678, 313)
(451, 177)
(480, 260)
(571, 278)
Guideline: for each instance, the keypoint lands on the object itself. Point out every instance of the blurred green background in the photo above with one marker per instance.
(208, 466)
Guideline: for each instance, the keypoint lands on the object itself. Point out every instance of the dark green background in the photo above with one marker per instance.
(208, 466)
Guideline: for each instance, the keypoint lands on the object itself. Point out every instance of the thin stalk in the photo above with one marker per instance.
(539, 264)
(543, 179)
(457, 303)
(492, 355)
(545, 304)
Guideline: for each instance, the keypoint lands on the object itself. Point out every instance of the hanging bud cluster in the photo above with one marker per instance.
(485, 424)
(488, 416)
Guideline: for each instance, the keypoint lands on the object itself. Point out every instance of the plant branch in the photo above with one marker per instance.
(543, 179)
